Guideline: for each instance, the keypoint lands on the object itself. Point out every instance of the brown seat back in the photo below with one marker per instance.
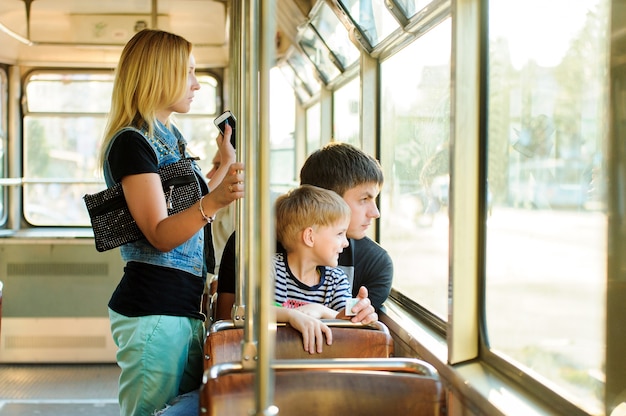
(351, 390)
(349, 341)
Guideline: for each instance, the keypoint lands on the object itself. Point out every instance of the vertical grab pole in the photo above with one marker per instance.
(246, 244)
(255, 240)
(266, 320)
(236, 83)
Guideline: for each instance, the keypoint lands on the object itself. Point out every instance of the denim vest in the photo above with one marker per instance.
(168, 145)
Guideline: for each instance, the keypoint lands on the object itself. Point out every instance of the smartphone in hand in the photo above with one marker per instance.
(227, 118)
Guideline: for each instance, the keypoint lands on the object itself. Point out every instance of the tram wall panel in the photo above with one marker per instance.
(54, 303)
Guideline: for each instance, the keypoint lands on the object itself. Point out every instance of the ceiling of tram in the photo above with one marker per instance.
(40, 30)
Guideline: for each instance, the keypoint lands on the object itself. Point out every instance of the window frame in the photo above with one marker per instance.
(95, 182)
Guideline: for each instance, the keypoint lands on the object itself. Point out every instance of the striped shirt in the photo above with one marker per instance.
(332, 290)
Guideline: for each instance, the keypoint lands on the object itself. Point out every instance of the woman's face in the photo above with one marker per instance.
(184, 104)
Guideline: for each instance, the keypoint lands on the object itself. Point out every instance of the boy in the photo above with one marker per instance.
(311, 225)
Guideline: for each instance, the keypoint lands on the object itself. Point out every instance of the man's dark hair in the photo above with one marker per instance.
(340, 166)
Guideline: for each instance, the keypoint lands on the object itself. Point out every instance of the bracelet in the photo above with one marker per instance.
(209, 220)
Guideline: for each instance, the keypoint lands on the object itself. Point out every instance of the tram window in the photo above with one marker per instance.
(296, 82)
(411, 7)
(4, 102)
(313, 132)
(68, 92)
(372, 17)
(300, 75)
(346, 113)
(64, 119)
(305, 71)
(318, 54)
(546, 233)
(415, 126)
(335, 36)
(283, 174)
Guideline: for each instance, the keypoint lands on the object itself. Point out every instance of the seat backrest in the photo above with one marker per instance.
(347, 391)
(349, 341)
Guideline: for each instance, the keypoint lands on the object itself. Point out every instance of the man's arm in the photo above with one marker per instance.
(226, 281)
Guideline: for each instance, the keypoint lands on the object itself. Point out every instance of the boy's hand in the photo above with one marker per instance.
(313, 331)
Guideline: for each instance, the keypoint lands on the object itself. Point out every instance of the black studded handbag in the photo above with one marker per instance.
(112, 223)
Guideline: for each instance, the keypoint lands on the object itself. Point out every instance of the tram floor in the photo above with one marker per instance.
(58, 389)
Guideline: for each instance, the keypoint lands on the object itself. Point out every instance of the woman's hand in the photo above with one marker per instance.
(225, 148)
(229, 189)
(363, 310)
(223, 160)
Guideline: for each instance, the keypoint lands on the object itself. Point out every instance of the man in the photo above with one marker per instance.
(358, 179)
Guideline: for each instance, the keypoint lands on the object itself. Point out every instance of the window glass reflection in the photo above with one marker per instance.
(415, 132)
(546, 225)
(305, 71)
(319, 54)
(299, 73)
(411, 7)
(335, 35)
(372, 17)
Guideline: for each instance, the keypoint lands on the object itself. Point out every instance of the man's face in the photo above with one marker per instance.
(362, 202)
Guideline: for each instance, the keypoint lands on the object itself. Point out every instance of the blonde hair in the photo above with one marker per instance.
(307, 206)
(151, 75)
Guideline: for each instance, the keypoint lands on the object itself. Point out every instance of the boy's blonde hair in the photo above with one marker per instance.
(151, 75)
(307, 206)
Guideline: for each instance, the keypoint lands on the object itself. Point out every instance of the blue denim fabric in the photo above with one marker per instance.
(160, 356)
(189, 256)
(187, 404)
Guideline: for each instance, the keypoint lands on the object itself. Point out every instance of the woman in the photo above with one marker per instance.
(155, 312)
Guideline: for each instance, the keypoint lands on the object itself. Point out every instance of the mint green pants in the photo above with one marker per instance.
(160, 357)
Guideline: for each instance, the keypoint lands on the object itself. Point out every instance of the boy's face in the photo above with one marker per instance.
(362, 202)
(330, 242)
